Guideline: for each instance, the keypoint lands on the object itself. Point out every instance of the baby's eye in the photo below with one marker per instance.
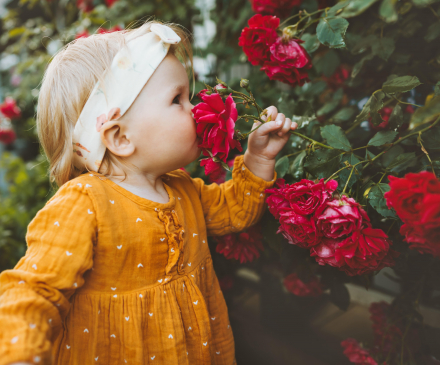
(176, 98)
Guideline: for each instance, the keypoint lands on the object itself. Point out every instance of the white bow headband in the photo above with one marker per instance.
(129, 72)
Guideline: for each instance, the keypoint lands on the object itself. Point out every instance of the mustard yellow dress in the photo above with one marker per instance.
(113, 278)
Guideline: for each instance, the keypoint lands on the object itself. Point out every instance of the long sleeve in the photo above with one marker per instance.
(34, 296)
(236, 204)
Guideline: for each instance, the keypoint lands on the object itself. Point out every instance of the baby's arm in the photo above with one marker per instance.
(34, 296)
(235, 204)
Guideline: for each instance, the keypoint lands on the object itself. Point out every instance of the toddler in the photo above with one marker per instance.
(118, 269)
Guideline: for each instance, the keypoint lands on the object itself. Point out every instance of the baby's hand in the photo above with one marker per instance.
(268, 140)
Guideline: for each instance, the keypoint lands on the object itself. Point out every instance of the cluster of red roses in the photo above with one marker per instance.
(244, 246)
(336, 229)
(215, 128)
(416, 200)
(281, 57)
(10, 110)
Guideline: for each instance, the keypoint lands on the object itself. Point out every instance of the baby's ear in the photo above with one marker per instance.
(115, 140)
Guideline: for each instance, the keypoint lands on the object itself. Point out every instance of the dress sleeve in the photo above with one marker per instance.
(34, 296)
(236, 204)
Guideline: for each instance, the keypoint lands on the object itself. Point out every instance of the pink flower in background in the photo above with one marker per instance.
(10, 109)
(298, 229)
(85, 5)
(7, 136)
(324, 252)
(219, 176)
(110, 2)
(295, 285)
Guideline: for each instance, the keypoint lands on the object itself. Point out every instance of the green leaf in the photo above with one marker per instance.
(372, 105)
(433, 32)
(404, 158)
(311, 42)
(431, 139)
(382, 137)
(343, 114)
(396, 117)
(358, 66)
(426, 113)
(323, 162)
(282, 166)
(391, 154)
(437, 89)
(364, 43)
(328, 63)
(331, 32)
(356, 7)
(335, 137)
(337, 9)
(344, 174)
(297, 166)
(388, 11)
(328, 107)
(384, 48)
(378, 202)
(400, 84)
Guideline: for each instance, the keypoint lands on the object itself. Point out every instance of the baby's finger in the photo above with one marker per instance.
(286, 127)
(280, 122)
(272, 112)
(293, 126)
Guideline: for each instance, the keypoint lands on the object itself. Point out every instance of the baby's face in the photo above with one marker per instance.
(160, 123)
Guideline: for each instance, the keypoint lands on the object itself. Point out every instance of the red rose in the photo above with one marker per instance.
(10, 109)
(288, 62)
(357, 354)
(298, 229)
(7, 136)
(280, 8)
(215, 126)
(406, 194)
(295, 285)
(244, 246)
(423, 235)
(257, 39)
(324, 252)
(341, 217)
(365, 251)
(304, 197)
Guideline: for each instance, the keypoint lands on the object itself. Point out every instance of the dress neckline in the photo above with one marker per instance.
(136, 198)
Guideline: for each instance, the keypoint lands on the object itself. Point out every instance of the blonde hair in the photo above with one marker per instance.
(66, 86)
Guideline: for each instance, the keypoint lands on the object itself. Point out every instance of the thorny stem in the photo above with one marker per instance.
(404, 102)
(345, 167)
(403, 138)
(299, 14)
(349, 177)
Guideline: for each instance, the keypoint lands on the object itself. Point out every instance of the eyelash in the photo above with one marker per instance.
(178, 96)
